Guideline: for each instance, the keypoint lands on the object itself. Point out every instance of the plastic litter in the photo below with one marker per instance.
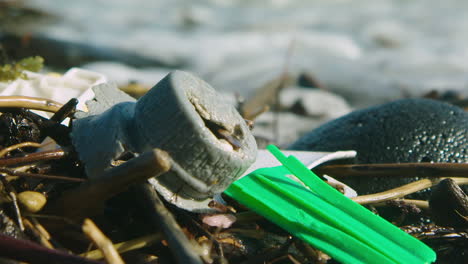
(182, 115)
(75, 82)
(311, 159)
(320, 215)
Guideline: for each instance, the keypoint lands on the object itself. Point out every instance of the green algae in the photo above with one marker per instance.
(15, 70)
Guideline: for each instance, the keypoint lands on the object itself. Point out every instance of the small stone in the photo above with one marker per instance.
(387, 34)
(219, 220)
(314, 102)
(31, 201)
(408, 130)
(290, 126)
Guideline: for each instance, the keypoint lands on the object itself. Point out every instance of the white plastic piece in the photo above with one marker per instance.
(315, 102)
(75, 83)
(347, 191)
(311, 159)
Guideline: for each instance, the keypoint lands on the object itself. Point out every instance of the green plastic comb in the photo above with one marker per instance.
(317, 213)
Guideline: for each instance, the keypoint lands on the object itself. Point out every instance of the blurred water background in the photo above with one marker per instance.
(366, 51)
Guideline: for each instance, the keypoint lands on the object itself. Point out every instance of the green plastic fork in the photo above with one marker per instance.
(320, 215)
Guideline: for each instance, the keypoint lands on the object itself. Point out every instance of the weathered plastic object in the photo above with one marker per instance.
(182, 115)
(323, 217)
(61, 88)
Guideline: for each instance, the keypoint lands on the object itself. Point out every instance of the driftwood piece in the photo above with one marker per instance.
(102, 242)
(182, 249)
(88, 199)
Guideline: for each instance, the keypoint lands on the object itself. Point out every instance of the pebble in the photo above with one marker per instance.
(31, 201)
(408, 130)
(301, 109)
(314, 102)
(290, 127)
(386, 34)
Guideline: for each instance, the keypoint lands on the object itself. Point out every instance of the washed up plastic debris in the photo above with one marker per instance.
(61, 88)
(310, 159)
(75, 83)
(323, 217)
(209, 141)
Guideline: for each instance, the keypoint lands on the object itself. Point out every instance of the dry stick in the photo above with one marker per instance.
(281, 85)
(419, 203)
(38, 156)
(4, 151)
(88, 199)
(102, 242)
(126, 246)
(312, 254)
(12, 194)
(264, 96)
(396, 170)
(247, 216)
(207, 257)
(179, 244)
(45, 236)
(30, 103)
(17, 210)
(259, 112)
(24, 250)
(12, 172)
(253, 233)
(39, 234)
(48, 217)
(403, 190)
(287, 256)
(268, 94)
(65, 111)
